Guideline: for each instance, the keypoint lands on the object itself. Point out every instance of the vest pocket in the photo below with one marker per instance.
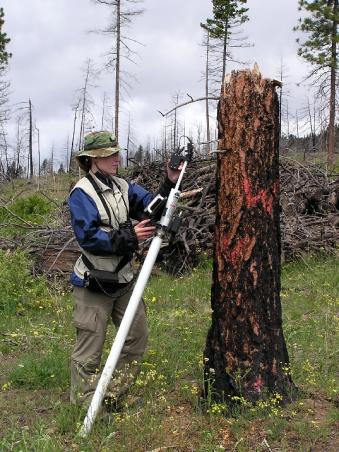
(85, 318)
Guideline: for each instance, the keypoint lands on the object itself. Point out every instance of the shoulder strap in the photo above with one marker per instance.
(124, 261)
(87, 262)
(99, 193)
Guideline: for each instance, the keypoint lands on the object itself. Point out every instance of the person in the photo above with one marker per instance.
(102, 206)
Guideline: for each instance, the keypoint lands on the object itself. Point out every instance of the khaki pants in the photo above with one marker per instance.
(91, 315)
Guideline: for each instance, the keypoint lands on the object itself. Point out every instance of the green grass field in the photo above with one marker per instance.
(35, 345)
(318, 158)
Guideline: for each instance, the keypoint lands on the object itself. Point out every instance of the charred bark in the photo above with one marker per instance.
(245, 352)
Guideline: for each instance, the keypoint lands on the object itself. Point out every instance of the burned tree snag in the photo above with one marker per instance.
(245, 350)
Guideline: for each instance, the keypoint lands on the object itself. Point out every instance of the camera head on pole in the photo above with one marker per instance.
(182, 154)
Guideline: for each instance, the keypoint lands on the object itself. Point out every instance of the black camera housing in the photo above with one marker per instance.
(176, 159)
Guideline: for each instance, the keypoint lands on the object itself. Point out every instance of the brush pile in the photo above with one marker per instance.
(309, 218)
(309, 208)
(309, 215)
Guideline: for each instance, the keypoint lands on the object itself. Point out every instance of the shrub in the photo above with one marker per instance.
(32, 208)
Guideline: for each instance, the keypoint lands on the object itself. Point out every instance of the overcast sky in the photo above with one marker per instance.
(50, 42)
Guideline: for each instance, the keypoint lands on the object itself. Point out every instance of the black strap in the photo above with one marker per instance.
(87, 262)
(124, 261)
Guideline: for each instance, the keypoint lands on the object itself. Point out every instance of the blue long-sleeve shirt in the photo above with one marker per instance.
(86, 223)
(86, 220)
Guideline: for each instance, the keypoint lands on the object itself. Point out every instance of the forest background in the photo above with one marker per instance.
(53, 51)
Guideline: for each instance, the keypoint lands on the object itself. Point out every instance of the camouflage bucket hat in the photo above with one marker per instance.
(99, 144)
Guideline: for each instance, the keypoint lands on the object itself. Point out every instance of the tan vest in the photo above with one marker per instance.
(119, 214)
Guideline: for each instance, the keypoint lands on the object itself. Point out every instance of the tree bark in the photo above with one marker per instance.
(128, 140)
(73, 135)
(208, 133)
(30, 140)
(331, 125)
(39, 155)
(224, 52)
(245, 352)
(83, 110)
(117, 71)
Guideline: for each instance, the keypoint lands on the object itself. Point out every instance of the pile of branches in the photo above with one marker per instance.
(197, 210)
(309, 210)
(309, 218)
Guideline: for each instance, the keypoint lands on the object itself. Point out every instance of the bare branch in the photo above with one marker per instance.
(188, 102)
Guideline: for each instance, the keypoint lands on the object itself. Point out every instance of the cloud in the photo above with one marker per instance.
(50, 42)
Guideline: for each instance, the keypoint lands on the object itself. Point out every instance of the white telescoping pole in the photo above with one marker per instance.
(120, 338)
(131, 309)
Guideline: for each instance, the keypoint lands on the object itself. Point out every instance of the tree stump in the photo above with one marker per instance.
(245, 352)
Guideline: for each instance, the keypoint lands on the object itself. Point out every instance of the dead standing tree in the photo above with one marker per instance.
(245, 352)
(122, 17)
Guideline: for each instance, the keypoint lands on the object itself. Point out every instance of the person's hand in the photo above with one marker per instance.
(144, 230)
(172, 174)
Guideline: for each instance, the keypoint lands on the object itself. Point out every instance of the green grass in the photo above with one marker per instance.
(55, 187)
(310, 296)
(318, 158)
(19, 290)
(46, 369)
(27, 205)
(34, 372)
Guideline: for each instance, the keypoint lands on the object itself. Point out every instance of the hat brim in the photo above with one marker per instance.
(104, 152)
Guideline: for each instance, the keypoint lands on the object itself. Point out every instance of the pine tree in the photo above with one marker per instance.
(227, 14)
(61, 169)
(44, 167)
(139, 155)
(4, 40)
(4, 91)
(320, 49)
